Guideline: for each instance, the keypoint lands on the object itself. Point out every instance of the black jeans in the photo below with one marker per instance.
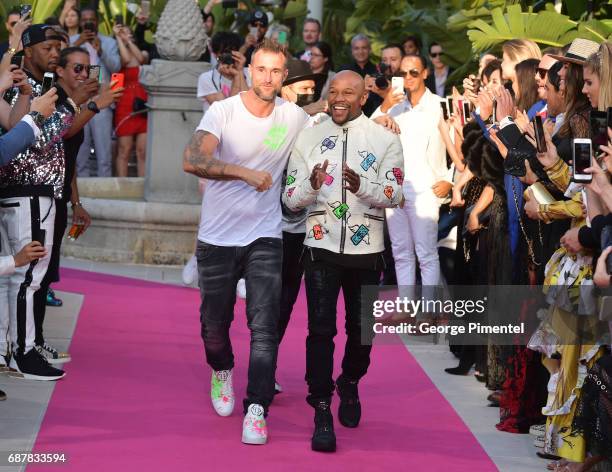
(219, 270)
(293, 269)
(323, 283)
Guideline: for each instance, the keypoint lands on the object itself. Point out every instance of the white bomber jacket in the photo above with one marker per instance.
(338, 220)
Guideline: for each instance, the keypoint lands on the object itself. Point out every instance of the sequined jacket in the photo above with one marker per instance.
(39, 171)
(339, 220)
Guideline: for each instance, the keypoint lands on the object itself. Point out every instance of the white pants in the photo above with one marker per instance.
(414, 236)
(22, 219)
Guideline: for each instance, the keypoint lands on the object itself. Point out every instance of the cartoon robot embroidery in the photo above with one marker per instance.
(291, 177)
(340, 210)
(396, 174)
(328, 143)
(329, 179)
(388, 192)
(369, 160)
(360, 233)
(317, 232)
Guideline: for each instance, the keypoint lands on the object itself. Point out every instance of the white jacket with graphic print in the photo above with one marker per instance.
(339, 220)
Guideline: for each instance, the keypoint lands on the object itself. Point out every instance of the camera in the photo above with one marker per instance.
(226, 58)
(381, 79)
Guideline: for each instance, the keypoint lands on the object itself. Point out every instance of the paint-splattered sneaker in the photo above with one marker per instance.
(222, 392)
(254, 428)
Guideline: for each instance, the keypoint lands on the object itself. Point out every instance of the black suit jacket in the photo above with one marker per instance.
(430, 82)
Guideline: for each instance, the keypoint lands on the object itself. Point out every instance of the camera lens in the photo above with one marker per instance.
(381, 82)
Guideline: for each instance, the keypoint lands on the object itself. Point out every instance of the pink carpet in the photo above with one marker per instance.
(136, 396)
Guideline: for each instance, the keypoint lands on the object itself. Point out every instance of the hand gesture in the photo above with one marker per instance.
(22, 25)
(457, 200)
(392, 99)
(485, 102)
(505, 104)
(318, 175)
(108, 96)
(532, 206)
(469, 91)
(45, 104)
(442, 188)
(81, 217)
(550, 157)
(389, 123)
(85, 91)
(29, 253)
(86, 36)
(261, 180)
(352, 179)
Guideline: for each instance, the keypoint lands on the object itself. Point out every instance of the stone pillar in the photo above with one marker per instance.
(174, 113)
(315, 9)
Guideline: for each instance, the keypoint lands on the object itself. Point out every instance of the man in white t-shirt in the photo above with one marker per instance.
(242, 147)
(229, 77)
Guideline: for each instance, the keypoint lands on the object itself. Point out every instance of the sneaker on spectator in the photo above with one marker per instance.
(537, 429)
(33, 366)
(190, 271)
(254, 428)
(241, 289)
(222, 392)
(52, 355)
(52, 300)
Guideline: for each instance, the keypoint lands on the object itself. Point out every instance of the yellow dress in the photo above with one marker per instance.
(567, 284)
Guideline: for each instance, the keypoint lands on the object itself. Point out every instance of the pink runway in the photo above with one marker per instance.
(136, 396)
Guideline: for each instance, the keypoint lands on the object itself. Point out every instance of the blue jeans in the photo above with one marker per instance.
(219, 269)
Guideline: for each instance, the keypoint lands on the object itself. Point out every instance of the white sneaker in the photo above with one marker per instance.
(190, 271)
(222, 392)
(254, 429)
(241, 289)
(52, 355)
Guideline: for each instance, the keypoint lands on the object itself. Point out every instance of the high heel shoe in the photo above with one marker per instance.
(459, 370)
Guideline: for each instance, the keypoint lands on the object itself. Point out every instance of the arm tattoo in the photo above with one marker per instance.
(205, 165)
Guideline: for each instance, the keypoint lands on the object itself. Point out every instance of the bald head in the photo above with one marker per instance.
(347, 94)
(349, 77)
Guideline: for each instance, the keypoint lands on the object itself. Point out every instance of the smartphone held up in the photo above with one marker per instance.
(582, 151)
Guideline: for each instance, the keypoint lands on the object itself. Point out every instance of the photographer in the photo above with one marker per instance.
(229, 77)
(390, 62)
(258, 27)
(103, 51)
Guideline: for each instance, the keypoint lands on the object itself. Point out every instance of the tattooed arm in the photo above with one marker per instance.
(199, 160)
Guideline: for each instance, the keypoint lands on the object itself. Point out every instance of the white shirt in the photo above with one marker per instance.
(233, 212)
(211, 82)
(441, 83)
(424, 150)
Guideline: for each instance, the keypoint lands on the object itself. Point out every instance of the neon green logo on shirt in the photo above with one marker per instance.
(275, 137)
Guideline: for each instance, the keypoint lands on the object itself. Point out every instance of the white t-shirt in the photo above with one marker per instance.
(211, 82)
(233, 212)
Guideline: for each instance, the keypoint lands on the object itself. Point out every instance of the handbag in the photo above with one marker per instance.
(483, 219)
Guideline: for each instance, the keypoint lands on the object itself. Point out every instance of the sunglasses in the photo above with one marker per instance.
(542, 72)
(257, 24)
(78, 68)
(413, 73)
(436, 54)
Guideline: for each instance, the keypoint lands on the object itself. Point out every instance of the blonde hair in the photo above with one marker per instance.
(275, 28)
(519, 50)
(600, 64)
